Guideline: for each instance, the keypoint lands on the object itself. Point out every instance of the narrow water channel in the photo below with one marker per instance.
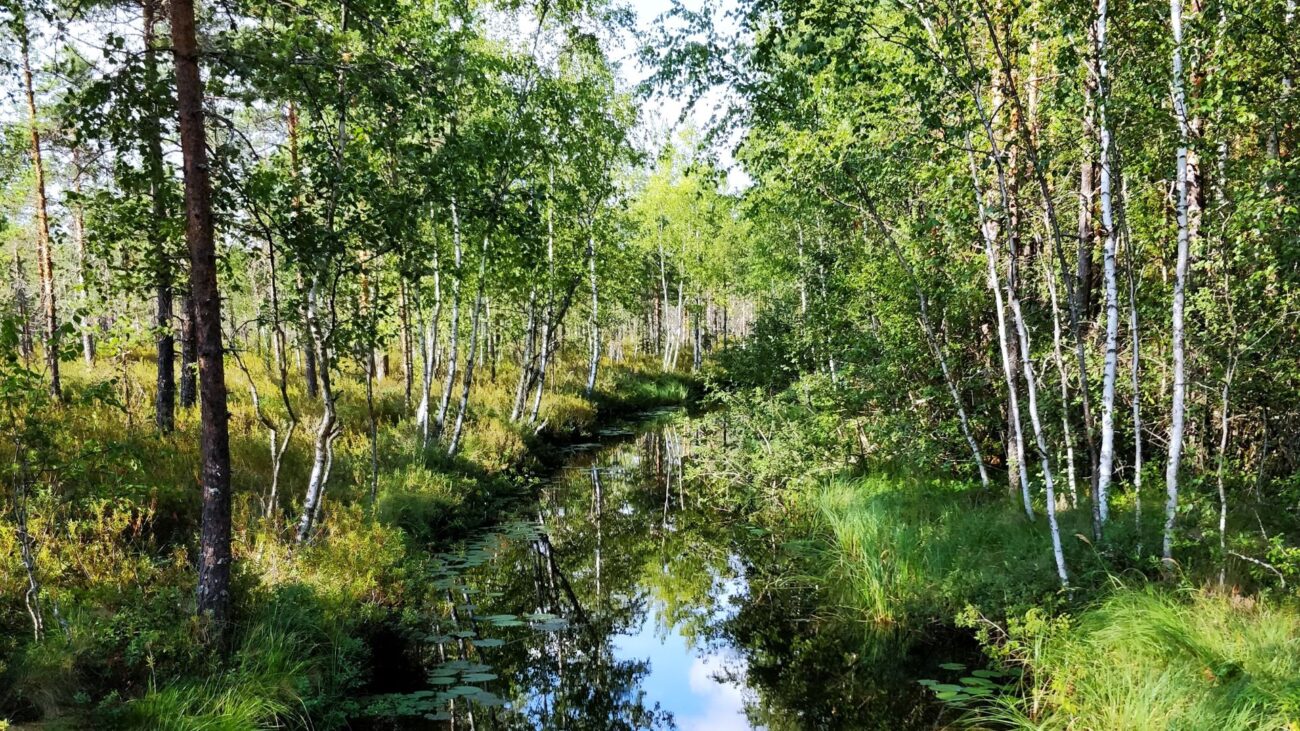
(623, 601)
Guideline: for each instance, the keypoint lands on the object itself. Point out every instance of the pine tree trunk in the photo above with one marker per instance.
(189, 352)
(165, 361)
(44, 260)
(214, 540)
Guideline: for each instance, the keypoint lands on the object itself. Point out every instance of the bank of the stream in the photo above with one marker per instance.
(933, 583)
(318, 626)
(613, 565)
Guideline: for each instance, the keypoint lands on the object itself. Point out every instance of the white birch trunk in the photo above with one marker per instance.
(453, 352)
(989, 234)
(1027, 367)
(454, 445)
(1178, 407)
(932, 339)
(1106, 459)
(595, 316)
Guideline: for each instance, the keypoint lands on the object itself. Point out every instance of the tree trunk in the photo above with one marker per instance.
(44, 259)
(932, 339)
(1135, 368)
(551, 343)
(1027, 367)
(453, 353)
(189, 352)
(457, 430)
(79, 241)
(430, 354)
(1058, 357)
(372, 426)
(988, 230)
(326, 429)
(24, 308)
(1178, 409)
(214, 540)
(1053, 225)
(663, 310)
(309, 347)
(1106, 457)
(549, 321)
(408, 360)
(595, 316)
(1223, 457)
(165, 361)
(526, 358)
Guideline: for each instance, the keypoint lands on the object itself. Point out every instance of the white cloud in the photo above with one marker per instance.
(724, 701)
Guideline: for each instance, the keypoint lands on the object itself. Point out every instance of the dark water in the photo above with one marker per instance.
(625, 601)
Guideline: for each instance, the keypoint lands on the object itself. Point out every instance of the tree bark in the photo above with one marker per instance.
(453, 352)
(326, 429)
(408, 360)
(1223, 457)
(165, 342)
(1107, 455)
(44, 260)
(305, 335)
(79, 242)
(189, 352)
(595, 316)
(988, 231)
(1058, 357)
(525, 384)
(429, 354)
(932, 339)
(214, 540)
(1027, 367)
(454, 445)
(1178, 407)
(1054, 229)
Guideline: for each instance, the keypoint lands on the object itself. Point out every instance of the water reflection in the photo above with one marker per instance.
(621, 603)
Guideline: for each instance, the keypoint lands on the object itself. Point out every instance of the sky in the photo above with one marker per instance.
(683, 679)
(660, 115)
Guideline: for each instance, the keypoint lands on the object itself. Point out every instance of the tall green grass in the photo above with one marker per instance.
(1151, 660)
(263, 689)
(116, 525)
(909, 550)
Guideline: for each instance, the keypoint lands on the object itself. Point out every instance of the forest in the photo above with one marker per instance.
(699, 364)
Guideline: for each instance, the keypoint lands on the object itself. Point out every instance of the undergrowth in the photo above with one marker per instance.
(116, 517)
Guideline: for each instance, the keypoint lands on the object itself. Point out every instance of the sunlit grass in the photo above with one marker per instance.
(1152, 660)
(116, 533)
